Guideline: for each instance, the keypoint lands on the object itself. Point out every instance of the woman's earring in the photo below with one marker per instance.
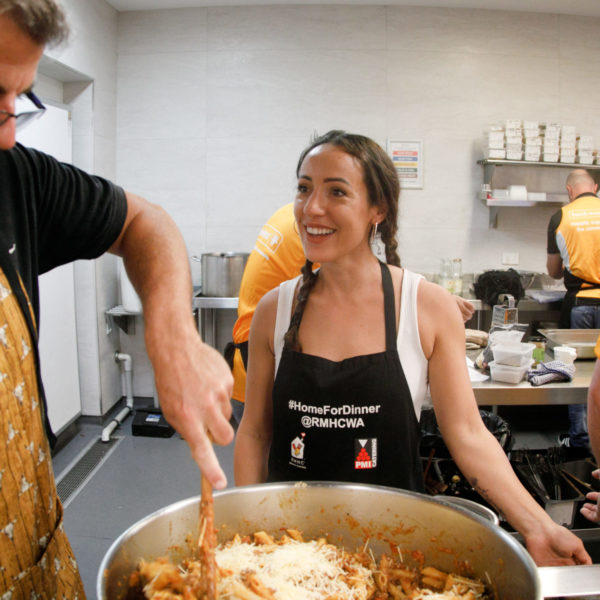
(377, 244)
(296, 227)
(373, 234)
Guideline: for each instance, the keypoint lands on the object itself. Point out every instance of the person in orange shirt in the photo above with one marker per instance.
(277, 256)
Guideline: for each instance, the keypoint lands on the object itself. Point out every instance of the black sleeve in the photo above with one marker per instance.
(78, 215)
(555, 220)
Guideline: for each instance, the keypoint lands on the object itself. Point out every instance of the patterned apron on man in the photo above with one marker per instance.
(36, 560)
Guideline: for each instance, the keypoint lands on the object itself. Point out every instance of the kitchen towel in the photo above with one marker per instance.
(551, 371)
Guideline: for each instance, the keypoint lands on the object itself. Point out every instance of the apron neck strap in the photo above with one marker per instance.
(389, 306)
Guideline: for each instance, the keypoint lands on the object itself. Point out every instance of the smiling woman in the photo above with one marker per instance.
(362, 337)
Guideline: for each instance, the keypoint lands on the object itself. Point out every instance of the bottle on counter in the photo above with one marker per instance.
(539, 352)
(451, 275)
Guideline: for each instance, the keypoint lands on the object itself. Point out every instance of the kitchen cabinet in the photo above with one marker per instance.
(547, 177)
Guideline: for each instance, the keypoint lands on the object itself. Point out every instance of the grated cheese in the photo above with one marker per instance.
(295, 570)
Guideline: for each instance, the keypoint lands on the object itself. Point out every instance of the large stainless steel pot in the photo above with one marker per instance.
(447, 535)
(221, 273)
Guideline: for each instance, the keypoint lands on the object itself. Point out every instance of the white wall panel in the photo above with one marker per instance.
(174, 31)
(288, 28)
(266, 77)
(90, 59)
(164, 98)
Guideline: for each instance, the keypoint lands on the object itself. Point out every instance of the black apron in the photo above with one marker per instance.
(351, 421)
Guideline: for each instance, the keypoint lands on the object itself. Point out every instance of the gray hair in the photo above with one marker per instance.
(42, 20)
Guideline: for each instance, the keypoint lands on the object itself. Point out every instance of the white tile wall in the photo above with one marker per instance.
(481, 32)
(293, 28)
(215, 104)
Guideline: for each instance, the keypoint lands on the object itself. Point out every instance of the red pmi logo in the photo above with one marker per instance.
(365, 452)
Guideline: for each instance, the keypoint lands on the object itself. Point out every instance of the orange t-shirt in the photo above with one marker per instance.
(597, 348)
(574, 232)
(277, 256)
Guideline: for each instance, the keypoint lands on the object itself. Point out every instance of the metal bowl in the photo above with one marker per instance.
(449, 537)
(583, 340)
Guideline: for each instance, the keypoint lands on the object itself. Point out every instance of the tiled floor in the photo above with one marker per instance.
(143, 474)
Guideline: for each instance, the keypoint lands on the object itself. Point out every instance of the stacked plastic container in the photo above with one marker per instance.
(536, 141)
(511, 362)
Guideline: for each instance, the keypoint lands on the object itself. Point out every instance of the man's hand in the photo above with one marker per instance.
(194, 386)
(591, 510)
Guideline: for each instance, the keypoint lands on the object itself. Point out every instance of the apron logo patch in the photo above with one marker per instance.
(297, 451)
(365, 453)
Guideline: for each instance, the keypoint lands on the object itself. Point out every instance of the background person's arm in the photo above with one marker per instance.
(467, 310)
(193, 380)
(554, 265)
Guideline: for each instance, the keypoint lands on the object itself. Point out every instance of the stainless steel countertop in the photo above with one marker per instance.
(526, 304)
(496, 393)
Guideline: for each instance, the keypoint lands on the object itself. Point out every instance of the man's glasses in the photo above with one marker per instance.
(25, 117)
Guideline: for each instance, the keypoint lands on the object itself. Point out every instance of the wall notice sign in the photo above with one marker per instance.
(407, 156)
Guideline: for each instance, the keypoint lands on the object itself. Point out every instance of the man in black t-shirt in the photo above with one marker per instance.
(50, 214)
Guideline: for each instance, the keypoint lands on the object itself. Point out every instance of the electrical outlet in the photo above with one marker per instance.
(510, 258)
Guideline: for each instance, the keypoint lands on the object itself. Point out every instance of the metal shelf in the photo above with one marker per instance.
(494, 205)
(531, 163)
(124, 319)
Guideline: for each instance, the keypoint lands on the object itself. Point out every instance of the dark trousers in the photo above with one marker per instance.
(582, 317)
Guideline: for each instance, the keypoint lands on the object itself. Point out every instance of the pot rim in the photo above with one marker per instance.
(222, 254)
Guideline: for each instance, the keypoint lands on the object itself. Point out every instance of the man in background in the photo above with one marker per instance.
(574, 253)
(50, 214)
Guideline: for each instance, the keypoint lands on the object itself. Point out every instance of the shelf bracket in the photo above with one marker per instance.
(124, 320)
(493, 222)
(488, 173)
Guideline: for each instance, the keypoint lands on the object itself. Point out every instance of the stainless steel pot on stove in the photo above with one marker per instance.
(221, 273)
(446, 535)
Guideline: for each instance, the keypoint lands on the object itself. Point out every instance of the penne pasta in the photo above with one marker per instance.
(261, 537)
(263, 568)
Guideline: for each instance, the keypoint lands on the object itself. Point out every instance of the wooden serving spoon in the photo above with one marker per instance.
(207, 541)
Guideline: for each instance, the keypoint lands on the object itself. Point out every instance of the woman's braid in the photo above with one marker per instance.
(309, 278)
